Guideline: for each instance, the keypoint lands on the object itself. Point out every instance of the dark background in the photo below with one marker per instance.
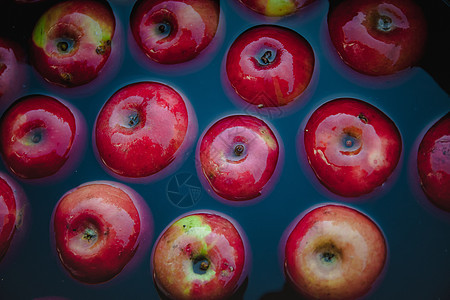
(418, 235)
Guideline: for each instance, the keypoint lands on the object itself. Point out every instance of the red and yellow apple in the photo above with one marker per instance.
(334, 252)
(71, 42)
(202, 255)
(275, 8)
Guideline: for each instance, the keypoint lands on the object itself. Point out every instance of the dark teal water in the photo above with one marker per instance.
(418, 236)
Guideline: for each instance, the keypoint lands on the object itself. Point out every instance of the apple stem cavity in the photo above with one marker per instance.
(133, 119)
(239, 149)
(201, 265)
(164, 29)
(267, 57)
(384, 24)
(90, 234)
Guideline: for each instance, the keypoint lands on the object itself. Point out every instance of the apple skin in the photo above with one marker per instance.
(12, 71)
(334, 252)
(275, 8)
(143, 129)
(269, 65)
(13, 213)
(98, 229)
(377, 37)
(200, 236)
(352, 146)
(433, 163)
(37, 135)
(238, 156)
(72, 41)
(173, 32)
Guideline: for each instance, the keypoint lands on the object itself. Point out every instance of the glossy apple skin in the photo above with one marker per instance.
(200, 236)
(37, 135)
(12, 214)
(72, 41)
(238, 155)
(142, 129)
(176, 31)
(352, 146)
(377, 37)
(12, 71)
(334, 252)
(269, 65)
(275, 8)
(433, 163)
(98, 228)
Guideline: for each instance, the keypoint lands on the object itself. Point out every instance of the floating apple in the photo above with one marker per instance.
(202, 255)
(433, 163)
(238, 156)
(12, 71)
(38, 134)
(276, 8)
(143, 128)
(269, 65)
(12, 210)
(98, 229)
(72, 41)
(352, 146)
(334, 252)
(378, 37)
(176, 31)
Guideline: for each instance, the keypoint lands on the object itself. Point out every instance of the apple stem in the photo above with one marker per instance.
(266, 56)
(384, 23)
(363, 118)
(133, 119)
(89, 234)
(238, 150)
(204, 265)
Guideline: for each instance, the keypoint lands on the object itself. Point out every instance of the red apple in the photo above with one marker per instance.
(72, 41)
(143, 128)
(202, 255)
(238, 157)
(12, 71)
(276, 8)
(269, 65)
(334, 252)
(98, 228)
(38, 135)
(378, 37)
(12, 210)
(433, 163)
(176, 31)
(352, 146)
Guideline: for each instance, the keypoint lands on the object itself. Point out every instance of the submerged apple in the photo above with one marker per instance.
(378, 37)
(269, 65)
(174, 31)
(275, 8)
(38, 134)
(143, 128)
(433, 163)
(72, 41)
(352, 146)
(12, 71)
(98, 228)
(334, 252)
(200, 256)
(238, 157)
(12, 210)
